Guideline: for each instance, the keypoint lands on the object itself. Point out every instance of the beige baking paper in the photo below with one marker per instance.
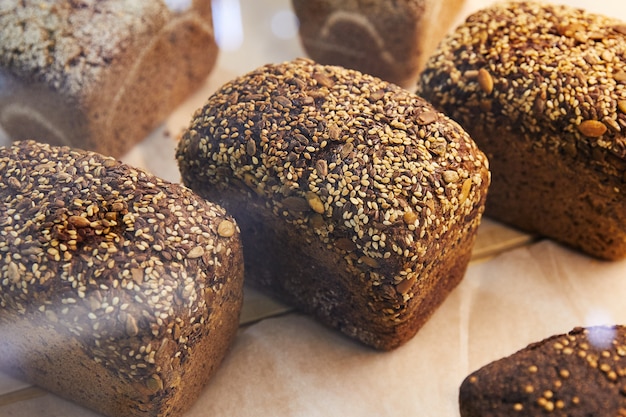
(291, 366)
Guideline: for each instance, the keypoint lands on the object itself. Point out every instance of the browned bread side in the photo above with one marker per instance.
(388, 39)
(357, 201)
(98, 75)
(118, 290)
(577, 374)
(541, 89)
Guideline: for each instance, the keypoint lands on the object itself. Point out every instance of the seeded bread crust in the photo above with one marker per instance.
(98, 74)
(357, 201)
(541, 89)
(388, 39)
(577, 374)
(118, 290)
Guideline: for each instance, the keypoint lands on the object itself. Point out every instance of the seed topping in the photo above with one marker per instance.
(561, 68)
(106, 253)
(356, 165)
(592, 128)
(485, 81)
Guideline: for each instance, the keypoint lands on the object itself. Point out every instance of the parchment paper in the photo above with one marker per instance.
(291, 366)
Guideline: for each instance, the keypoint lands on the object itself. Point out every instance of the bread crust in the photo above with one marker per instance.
(118, 290)
(575, 374)
(541, 89)
(98, 75)
(357, 201)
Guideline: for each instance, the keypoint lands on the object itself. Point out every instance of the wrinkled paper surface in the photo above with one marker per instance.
(292, 366)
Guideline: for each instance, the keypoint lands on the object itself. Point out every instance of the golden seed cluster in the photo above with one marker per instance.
(556, 74)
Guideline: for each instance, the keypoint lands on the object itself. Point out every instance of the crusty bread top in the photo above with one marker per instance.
(108, 254)
(370, 169)
(557, 73)
(66, 44)
(580, 373)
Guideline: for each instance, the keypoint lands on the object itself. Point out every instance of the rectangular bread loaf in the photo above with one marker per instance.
(118, 290)
(358, 203)
(99, 75)
(542, 90)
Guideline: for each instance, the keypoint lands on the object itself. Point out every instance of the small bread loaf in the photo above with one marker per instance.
(357, 201)
(118, 290)
(541, 89)
(391, 40)
(99, 74)
(576, 374)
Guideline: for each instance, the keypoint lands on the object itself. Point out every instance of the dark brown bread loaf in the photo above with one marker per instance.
(99, 74)
(541, 89)
(388, 39)
(118, 290)
(577, 374)
(357, 201)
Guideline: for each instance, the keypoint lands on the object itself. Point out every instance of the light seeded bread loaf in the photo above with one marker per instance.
(118, 290)
(542, 91)
(577, 374)
(357, 201)
(388, 39)
(99, 74)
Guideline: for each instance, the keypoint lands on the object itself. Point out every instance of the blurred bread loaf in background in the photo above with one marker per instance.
(99, 74)
(388, 39)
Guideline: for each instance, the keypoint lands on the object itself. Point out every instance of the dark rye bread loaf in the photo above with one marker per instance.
(118, 290)
(578, 374)
(541, 89)
(357, 201)
(99, 74)
(389, 39)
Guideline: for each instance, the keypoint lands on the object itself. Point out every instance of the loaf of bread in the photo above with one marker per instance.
(388, 39)
(99, 74)
(357, 202)
(118, 290)
(541, 89)
(580, 373)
